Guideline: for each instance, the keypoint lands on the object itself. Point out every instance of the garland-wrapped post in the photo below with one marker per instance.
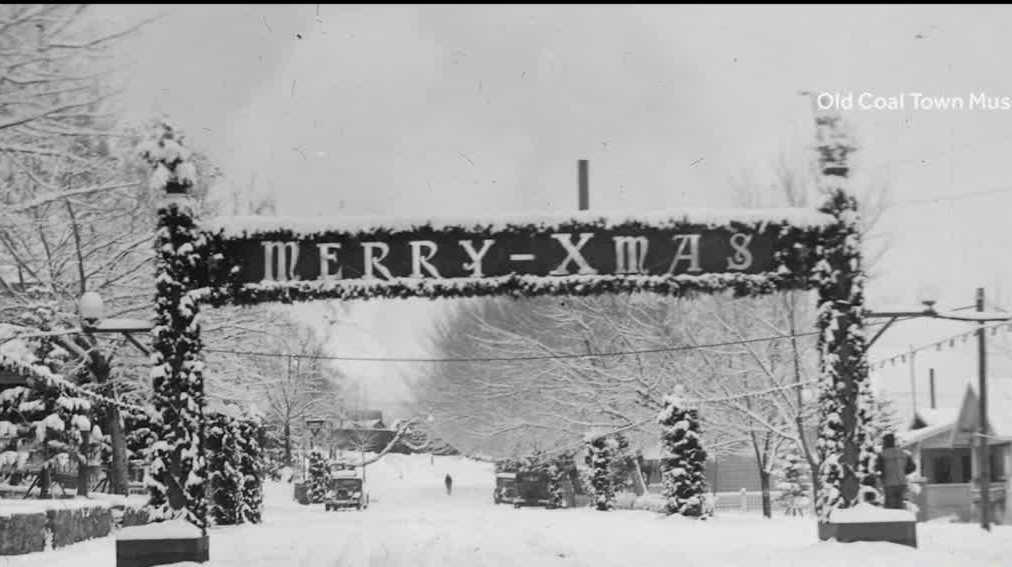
(682, 460)
(844, 411)
(601, 451)
(177, 482)
(252, 467)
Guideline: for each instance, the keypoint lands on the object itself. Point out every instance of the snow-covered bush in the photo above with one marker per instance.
(682, 459)
(223, 462)
(601, 453)
(319, 477)
(252, 467)
(794, 485)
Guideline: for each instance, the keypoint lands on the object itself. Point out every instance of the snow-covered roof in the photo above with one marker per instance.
(912, 436)
(240, 226)
(346, 474)
(941, 420)
(937, 416)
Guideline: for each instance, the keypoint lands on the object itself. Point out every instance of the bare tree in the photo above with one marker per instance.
(286, 389)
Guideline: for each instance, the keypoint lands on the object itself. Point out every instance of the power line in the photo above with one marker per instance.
(681, 348)
(958, 197)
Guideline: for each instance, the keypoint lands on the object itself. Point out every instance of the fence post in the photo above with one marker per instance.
(744, 500)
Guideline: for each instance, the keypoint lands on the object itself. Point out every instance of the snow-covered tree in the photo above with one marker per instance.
(602, 450)
(682, 460)
(178, 476)
(794, 484)
(223, 466)
(252, 467)
(319, 476)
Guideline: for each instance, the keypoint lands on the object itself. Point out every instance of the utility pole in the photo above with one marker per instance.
(982, 440)
(913, 378)
(931, 385)
(582, 167)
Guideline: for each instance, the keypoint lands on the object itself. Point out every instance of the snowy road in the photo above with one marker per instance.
(412, 522)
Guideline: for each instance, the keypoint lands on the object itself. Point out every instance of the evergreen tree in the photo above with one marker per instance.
(682, 459)
(319, 477)
(601, 453)
(223, 459)
(794, 486)
(252, 468)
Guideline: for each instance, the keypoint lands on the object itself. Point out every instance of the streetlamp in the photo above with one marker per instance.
(315, 424)
(91, 308)
(980, 317)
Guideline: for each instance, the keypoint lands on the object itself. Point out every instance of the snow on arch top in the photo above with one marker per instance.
(245, 226)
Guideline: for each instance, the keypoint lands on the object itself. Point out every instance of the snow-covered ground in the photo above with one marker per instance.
(412, 522)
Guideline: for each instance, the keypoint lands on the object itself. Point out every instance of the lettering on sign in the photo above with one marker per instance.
(635, 251)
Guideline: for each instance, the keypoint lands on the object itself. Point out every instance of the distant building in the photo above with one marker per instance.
(941, 442)
(361, 430)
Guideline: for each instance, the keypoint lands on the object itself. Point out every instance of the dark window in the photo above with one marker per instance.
(997, 464)
(967, 472)
(943, 470)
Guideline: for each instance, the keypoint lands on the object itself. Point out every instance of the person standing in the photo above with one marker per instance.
(894, 464)
(449, 484)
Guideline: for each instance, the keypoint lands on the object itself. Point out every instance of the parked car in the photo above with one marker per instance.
(346, 490)
(505, 488)
(532, 490)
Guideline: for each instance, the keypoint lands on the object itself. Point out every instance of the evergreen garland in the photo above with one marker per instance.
(319, 477)
(177, 480)
(682, 460)
(844, 408)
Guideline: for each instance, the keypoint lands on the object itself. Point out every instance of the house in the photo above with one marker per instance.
(941, 443)
(725, 473)
(362, 431)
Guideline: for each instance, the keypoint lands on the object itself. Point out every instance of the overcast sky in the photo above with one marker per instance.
(440, 110)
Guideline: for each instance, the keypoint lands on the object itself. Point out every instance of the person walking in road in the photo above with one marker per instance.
(449, 484)
(894, 464)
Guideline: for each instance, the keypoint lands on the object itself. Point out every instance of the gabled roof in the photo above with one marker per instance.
(929, 423)
(934, 416)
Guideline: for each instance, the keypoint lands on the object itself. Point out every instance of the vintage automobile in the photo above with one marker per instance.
(346, 491)
(532, 490)
(505, 488)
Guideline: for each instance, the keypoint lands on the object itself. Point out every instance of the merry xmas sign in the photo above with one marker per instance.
(288, 250)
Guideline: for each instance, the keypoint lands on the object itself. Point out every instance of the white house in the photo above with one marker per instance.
(941, 442)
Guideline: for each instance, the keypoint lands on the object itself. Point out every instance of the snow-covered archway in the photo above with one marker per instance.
(247, 261)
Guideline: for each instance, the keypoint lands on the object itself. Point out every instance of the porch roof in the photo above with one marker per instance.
(959, 424)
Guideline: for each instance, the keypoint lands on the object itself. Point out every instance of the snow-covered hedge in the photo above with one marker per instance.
(28, 526)
(71, 525)
(22, 532)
